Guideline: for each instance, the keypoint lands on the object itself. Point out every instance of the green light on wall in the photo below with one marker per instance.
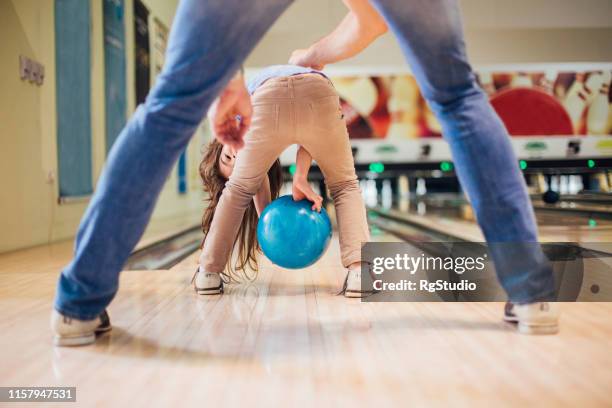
(446, 166)
(523, 164)
(591, 164)
(292, 169)
(377, 167)
(592, 223)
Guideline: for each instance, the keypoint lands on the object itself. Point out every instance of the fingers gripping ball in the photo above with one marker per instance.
(291, 234)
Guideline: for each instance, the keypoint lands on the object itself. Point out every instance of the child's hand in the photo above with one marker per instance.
(302, 190)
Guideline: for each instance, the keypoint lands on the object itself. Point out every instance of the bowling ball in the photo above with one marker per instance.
(291, 234)
(550, 197)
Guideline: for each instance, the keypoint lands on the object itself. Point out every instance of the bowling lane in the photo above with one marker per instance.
(288, 331)
(451, 214)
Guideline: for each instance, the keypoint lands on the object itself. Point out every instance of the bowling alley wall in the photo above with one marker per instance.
(545, 108)
(544, 64)
(555, 102)
(554, 49)
(33, 210)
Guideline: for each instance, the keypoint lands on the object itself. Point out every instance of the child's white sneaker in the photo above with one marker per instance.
(69, 331)
(207, 283)
(533, 318)
(352, 285)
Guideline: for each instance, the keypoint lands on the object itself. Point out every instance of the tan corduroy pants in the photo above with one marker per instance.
(304, 110)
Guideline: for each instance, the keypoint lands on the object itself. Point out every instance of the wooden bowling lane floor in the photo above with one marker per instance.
(288, 340)
(470, 231)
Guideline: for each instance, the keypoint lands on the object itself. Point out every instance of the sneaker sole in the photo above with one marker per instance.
(214, 291)
(510, 319)
(525, 328)
(354, 294)
(101, 330)
(63, 341)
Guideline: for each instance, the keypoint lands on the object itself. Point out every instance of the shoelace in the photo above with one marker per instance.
(344, 285)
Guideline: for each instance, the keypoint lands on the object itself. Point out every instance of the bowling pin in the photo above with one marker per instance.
(575, 184)
(579, 183)
(572, 186)
(421, 187)
(360, 92)
(549, 80)
(387, 194)
(371, 194)
(523, 79)
(486, 82)
(554, 183)
(580, 95)
(599, 109)
(563, 185)
(403, 187)
(540, 184)
(403, 107)
(603, 182)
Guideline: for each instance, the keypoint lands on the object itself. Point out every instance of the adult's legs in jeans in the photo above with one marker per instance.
(431, 37)
(208, 42)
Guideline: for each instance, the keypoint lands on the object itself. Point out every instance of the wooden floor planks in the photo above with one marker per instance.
(288, 339)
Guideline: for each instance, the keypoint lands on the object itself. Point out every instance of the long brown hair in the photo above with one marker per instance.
(246, 242)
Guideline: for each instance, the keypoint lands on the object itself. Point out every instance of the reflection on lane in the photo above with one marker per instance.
(454, 206)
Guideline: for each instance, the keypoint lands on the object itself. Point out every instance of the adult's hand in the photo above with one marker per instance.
(305, 58)
(358, 29)
(230, 114)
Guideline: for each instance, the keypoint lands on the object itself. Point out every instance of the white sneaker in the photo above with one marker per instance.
(533, 318)
(352, 285)
(74, 332)
(207, 283)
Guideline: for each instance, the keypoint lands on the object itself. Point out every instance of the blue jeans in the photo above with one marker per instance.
(208, 42)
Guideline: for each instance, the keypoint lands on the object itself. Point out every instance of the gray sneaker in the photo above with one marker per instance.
(69, 331)
(533, 318)
(352, 285)
(207, 283)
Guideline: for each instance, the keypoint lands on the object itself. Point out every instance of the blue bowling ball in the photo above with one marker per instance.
(291, 234)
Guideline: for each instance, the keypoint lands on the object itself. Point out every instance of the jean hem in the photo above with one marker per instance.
(75, 315)
(547, 297)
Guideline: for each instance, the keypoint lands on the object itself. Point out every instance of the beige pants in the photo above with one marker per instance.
(303, 110)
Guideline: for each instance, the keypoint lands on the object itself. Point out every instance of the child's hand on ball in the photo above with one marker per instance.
(301, 190)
